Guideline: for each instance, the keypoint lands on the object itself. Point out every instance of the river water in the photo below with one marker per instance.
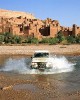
(21, 64)
(65, 71)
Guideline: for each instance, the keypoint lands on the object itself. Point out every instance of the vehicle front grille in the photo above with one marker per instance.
(41, 65)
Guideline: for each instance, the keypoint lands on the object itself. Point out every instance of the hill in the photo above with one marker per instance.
(9, 14)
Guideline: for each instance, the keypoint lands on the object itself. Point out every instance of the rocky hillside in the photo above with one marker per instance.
(9, 14)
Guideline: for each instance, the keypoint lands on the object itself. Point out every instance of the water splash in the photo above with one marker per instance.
(22, 66)
(61, 64)
(15, 65)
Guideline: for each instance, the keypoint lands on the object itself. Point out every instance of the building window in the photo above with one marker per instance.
(21, 29)
(9, 30)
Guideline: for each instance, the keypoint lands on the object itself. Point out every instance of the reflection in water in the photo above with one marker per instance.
(42, 78)
(29, 87)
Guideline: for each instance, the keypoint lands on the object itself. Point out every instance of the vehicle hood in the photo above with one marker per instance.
(40, 59)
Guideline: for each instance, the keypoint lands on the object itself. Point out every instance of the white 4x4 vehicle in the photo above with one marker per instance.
(41, 60)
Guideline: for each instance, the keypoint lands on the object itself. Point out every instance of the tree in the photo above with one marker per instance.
(60, 36)
(8, 37)
(71, 39)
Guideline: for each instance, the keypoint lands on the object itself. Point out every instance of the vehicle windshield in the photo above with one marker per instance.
(41, 55)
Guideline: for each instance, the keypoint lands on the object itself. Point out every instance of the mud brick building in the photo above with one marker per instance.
(25, 24)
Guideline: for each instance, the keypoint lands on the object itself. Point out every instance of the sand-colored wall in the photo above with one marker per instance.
(15, 23)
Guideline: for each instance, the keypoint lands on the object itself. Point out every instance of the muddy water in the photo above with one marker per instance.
(21, 65)
(63, 81)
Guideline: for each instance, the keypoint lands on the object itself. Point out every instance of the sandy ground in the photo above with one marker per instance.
(42, 88)
(29, 49)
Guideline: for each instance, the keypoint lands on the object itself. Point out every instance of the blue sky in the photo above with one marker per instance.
(66, 11)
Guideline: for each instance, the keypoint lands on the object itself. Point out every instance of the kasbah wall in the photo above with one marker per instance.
(25, 24)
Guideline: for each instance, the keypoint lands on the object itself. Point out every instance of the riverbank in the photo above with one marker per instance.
(37, 87)
(29, 49)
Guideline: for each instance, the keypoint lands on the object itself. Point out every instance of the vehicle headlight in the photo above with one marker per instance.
(34, 65)
(49, 64)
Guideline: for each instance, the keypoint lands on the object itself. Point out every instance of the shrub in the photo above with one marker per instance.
(8, 37)
(53, 41)
(78, 39)
(1, 38)
(16, 39)
(28, 40)
(71, 39)
(65, 42)
(44, 40)
(7, 34)
(34, 40)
